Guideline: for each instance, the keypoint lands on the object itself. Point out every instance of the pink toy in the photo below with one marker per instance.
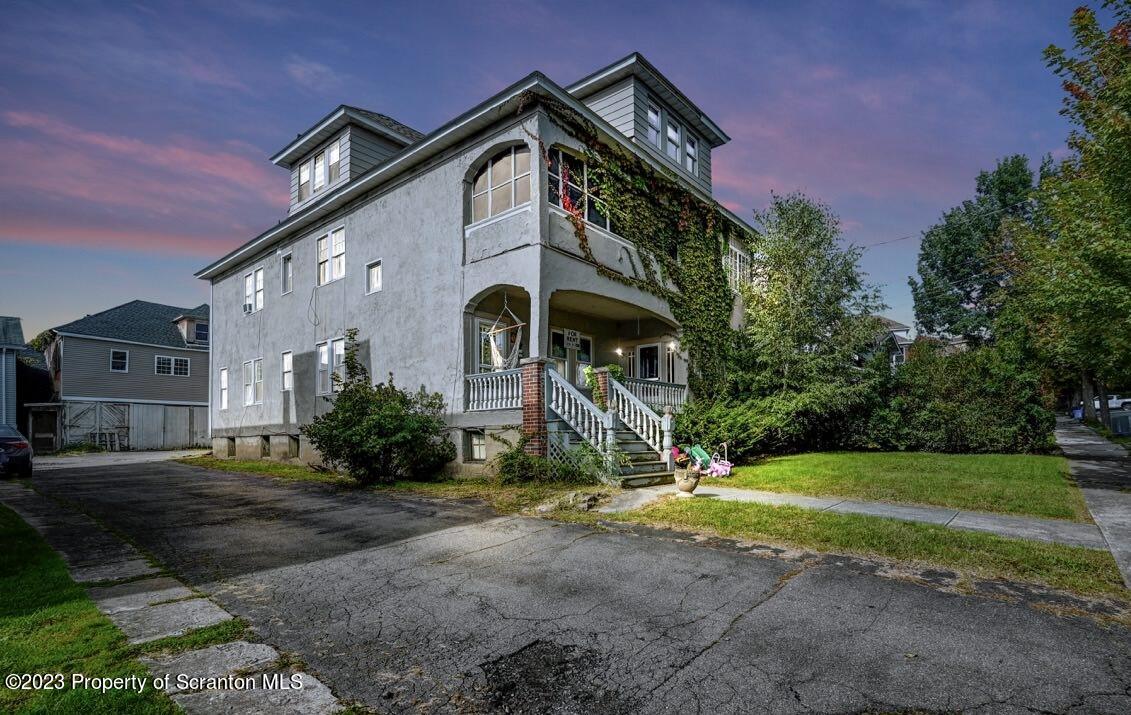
(718, 467)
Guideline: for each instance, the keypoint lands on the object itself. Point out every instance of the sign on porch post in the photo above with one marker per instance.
(572, 340)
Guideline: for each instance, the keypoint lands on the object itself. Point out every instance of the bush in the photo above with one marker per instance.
(976, 401)
(514, 466)
(378, 433)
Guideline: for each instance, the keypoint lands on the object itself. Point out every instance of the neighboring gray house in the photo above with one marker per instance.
(131, 377)
(11, 345)
(895, 340)
(451, 255)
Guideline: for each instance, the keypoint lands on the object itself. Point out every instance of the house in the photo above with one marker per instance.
(11, 345)
(895, 340)
(452, 255)
(131, 377)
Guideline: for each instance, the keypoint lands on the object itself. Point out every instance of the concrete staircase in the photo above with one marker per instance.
(645, 467)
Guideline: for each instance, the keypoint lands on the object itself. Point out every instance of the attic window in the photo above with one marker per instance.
(654, 125)
(304, 182)
(201, 335)
(674, 145)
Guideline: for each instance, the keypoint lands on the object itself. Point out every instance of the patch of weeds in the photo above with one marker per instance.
(234, 630)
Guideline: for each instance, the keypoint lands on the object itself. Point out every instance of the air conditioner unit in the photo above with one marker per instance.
(247, 308)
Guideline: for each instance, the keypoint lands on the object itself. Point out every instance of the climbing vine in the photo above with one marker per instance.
(680, 238)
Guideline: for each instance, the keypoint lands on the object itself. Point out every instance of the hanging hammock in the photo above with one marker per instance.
(509, 361)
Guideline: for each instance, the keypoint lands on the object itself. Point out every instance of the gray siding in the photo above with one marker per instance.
(344, 177)
(367, 150)
(85, 372)
(702, 177)
(8, 388)
(616, 105)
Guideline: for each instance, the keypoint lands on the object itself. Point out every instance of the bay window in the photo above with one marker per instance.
(579, 192)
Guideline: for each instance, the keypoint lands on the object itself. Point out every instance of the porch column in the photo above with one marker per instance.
(539, 324)
(602, 387)
(534, 405)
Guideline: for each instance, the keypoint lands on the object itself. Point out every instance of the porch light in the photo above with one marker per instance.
(619, 352)
(671, 346)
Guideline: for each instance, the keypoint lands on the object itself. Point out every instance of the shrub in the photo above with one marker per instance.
(615, 371)
(379, 432)
(976, 401)
(514, 466)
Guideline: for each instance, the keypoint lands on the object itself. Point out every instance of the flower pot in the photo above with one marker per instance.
(685, 482)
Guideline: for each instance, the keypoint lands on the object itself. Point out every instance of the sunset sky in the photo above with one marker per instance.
(136, 135)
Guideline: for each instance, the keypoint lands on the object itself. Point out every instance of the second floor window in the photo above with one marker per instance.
(288, 370)
(287, 271)
(373, 277)
(165, 365)
(253, 291)
(223, 388)
(576, 192)
(331, 256)
(739, 269)
(502, 183)
(119, 361)
(253, 382)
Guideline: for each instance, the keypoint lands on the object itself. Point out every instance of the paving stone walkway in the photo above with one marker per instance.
(1054, 530)
(1103, 471)
(147, 606)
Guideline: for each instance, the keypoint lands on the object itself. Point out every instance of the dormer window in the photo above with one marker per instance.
(675, 143)
(691, 155)
(201, 332)
(304, 182)
(319, 172)
(333, 162)
(654, 125)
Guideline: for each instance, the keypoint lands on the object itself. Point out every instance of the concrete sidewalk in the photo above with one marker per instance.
(1019, 527)
(112, 459)
(1103, 471)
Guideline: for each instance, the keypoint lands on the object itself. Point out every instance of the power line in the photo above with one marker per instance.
(993, 212)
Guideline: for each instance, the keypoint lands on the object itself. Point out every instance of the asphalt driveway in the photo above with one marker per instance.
(414, 605)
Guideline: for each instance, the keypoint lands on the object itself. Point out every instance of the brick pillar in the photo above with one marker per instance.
(534, 404)
(601, 390)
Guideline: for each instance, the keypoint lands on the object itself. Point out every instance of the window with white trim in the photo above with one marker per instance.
(331, 256)
(319, 172)
(502, 183)
(119, 361)
(287, 274)
(739, 268)
(166, 365)
(653, 134)
(578, 193)
(331, 361)
(223, 388)
(253, 290)
(674, 144)
(304, 182)
(373, 277)
(253, 382)
(691, 154)
(333, 162)
(288, 370)
(476, 446)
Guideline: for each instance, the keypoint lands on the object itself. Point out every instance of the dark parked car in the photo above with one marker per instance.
(15, 453)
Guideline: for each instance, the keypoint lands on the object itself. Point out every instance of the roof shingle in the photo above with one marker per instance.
(138, 321)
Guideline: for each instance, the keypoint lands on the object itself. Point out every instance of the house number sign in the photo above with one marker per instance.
(572, 340)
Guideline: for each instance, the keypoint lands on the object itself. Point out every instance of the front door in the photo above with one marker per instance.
(648, 362)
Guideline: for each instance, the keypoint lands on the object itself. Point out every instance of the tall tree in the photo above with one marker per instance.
(956, 293)
(809, 313)
(1073, 262)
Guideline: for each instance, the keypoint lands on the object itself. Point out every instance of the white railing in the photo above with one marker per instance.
(583, 416)
(500, 390)
(637, 416)
(656, 394)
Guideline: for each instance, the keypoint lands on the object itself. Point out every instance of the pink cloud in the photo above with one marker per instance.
(48, 232)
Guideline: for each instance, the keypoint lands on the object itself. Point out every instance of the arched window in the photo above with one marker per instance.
(502, 183)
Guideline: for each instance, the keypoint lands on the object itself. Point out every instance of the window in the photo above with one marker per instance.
(691, 155)
(162, 365)
(654, 125)
(288, 370)
(181, 367)
(319, 172)
(201, 332)
(373, 277)
(494, 349)
(670, 362)
(333, 163)
(674, 144)
(649, 362)
(738, 267)
(287, 272)
(323, 380)
(223, 388)
(304, 182)
(253, 382)
(476, 446)
(253, 291)
(331, 359)
(119, 361)
(578, 194)
(502, 183)
(583, 357)
(332, 256)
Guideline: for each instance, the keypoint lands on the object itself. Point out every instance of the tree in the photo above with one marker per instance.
(1073, 261)
(809, 314)
(380, 432)
(956, 293)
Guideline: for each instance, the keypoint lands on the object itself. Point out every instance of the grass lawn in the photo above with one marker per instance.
(1084, 571)
(49, 625)
(1006, 483)
(506, 499)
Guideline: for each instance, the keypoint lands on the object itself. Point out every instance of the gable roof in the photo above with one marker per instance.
(138, 321)
(505, 103)
(11, 331)
(342, 115)
(635, 65)
(890, 324)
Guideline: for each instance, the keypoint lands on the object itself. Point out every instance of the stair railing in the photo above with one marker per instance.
(593, 424)
(656, 431)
